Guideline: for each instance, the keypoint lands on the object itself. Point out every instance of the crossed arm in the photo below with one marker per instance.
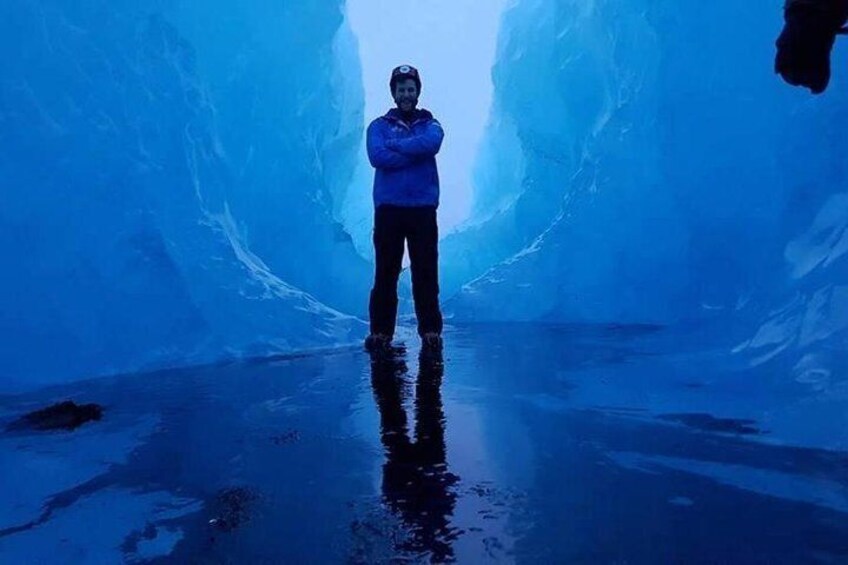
(397, 153)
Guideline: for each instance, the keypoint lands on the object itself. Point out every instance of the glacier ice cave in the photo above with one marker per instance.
(643, 266)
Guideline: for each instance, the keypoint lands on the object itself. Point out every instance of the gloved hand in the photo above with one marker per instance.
(392, 143)
(804, 45)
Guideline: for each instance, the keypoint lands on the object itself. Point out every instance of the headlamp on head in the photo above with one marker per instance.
(403, 72)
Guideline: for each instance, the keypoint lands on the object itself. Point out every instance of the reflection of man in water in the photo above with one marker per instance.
(416, 482)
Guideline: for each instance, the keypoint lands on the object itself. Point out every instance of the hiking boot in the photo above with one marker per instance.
(432, 340)
(375, 342)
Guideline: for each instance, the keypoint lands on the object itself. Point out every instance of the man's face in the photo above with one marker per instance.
(405, 95)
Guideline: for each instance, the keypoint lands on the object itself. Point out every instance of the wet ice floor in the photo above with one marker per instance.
(527, 444)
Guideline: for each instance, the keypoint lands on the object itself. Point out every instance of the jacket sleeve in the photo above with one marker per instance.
(380, 156)
(425, 144)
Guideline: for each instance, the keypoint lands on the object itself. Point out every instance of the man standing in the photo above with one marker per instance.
(402, 147)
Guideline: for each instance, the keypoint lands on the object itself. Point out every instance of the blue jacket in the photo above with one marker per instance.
(404, 156)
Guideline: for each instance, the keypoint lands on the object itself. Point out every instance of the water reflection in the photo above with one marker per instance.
(417, 485)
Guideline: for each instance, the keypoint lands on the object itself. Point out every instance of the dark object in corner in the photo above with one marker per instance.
(66, 415)
(804, 45)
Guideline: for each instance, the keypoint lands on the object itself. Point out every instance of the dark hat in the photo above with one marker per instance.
(402, 72)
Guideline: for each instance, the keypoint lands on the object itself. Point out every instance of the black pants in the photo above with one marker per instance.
(393, 225)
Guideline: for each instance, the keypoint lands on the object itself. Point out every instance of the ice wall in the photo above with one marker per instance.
(121, 238)
(286, 84)
(172, 175)
(645, 164)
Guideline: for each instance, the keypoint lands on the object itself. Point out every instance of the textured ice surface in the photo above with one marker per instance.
(142, 225)
(175, 172)
(643, 163)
